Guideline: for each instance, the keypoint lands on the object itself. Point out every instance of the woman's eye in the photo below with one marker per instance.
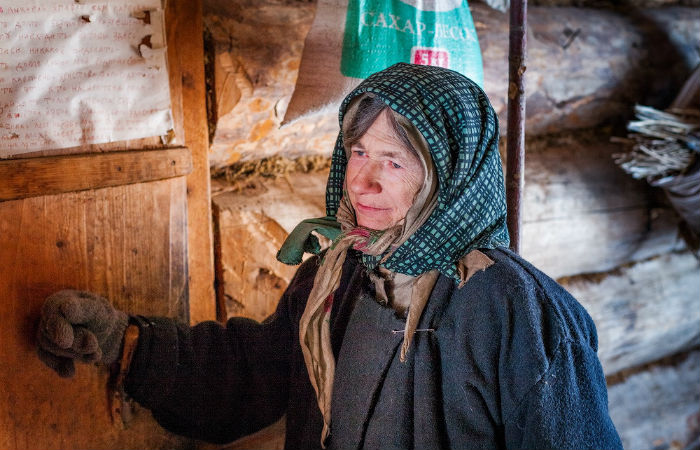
(359, 152)
(395, 165)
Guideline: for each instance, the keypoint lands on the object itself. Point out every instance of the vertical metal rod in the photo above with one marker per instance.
(515, 138)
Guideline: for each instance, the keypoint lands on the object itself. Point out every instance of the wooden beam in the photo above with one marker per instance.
(31, 177)
(188, 94)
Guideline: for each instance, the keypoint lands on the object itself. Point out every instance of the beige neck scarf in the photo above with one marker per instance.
(314, 326)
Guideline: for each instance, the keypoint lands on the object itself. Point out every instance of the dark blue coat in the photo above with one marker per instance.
(507, 361)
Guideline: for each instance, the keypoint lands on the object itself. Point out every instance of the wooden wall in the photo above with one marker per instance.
(128, 220)
(610, 240)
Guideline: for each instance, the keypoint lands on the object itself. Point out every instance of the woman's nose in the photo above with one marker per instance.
(366, 179)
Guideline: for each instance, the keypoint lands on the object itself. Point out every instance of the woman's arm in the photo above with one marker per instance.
(567, 407)
(212, 382)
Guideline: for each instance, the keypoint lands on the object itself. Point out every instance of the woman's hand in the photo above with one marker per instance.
(79, 325)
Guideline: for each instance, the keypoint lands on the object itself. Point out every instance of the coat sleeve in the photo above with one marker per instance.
(551, 383)
(567, 408)
(212, 382)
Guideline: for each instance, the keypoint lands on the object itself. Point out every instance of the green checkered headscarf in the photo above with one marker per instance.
(461, 128)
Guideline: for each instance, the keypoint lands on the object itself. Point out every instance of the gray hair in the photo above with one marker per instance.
(367, 111)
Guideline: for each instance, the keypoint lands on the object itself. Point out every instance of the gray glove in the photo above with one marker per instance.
(79, 325)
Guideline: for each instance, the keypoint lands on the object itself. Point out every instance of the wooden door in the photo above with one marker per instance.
(128, 220)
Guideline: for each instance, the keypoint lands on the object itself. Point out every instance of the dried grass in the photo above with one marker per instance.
(661, 143)
(247, 173)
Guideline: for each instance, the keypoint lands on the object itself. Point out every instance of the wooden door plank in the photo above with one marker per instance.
(31, 177)
(127, 243)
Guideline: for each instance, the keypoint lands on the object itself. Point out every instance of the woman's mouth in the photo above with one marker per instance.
(367, 208)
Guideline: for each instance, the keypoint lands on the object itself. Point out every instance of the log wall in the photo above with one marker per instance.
(585, 68)
(608, 239)
(583, 214)
(644, 311)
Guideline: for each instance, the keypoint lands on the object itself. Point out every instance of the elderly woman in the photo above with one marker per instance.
(415, 329)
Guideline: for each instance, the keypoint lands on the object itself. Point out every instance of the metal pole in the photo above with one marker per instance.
(515, 138)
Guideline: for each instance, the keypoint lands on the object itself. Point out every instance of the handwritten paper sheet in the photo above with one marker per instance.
(76, 72)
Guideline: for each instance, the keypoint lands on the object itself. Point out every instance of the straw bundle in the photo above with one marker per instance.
(662, 143)
(664, 148)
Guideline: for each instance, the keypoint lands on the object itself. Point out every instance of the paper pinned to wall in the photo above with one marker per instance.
(75, 72)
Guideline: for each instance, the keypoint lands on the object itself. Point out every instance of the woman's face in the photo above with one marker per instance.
(382, 176)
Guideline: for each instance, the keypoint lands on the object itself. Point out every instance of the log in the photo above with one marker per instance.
(582, 213)
(658, 408)
(585, 67)
(589, 66)
(643, 312)
(257, 48)
(252, 225)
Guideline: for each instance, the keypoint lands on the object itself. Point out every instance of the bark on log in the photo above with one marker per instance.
(589, 66)
(585, 67)
(658, 408)
(643, 312)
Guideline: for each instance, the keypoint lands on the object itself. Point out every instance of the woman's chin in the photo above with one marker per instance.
(374, 223)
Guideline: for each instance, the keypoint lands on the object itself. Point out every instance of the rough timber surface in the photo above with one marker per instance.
(253, 223)
(143, 246)
(644, 311)
(582, 214)
(659, 408)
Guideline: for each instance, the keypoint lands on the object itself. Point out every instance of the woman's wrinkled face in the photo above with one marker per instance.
(382, 176)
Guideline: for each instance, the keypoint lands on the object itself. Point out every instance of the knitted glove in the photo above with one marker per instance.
(79, 325)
